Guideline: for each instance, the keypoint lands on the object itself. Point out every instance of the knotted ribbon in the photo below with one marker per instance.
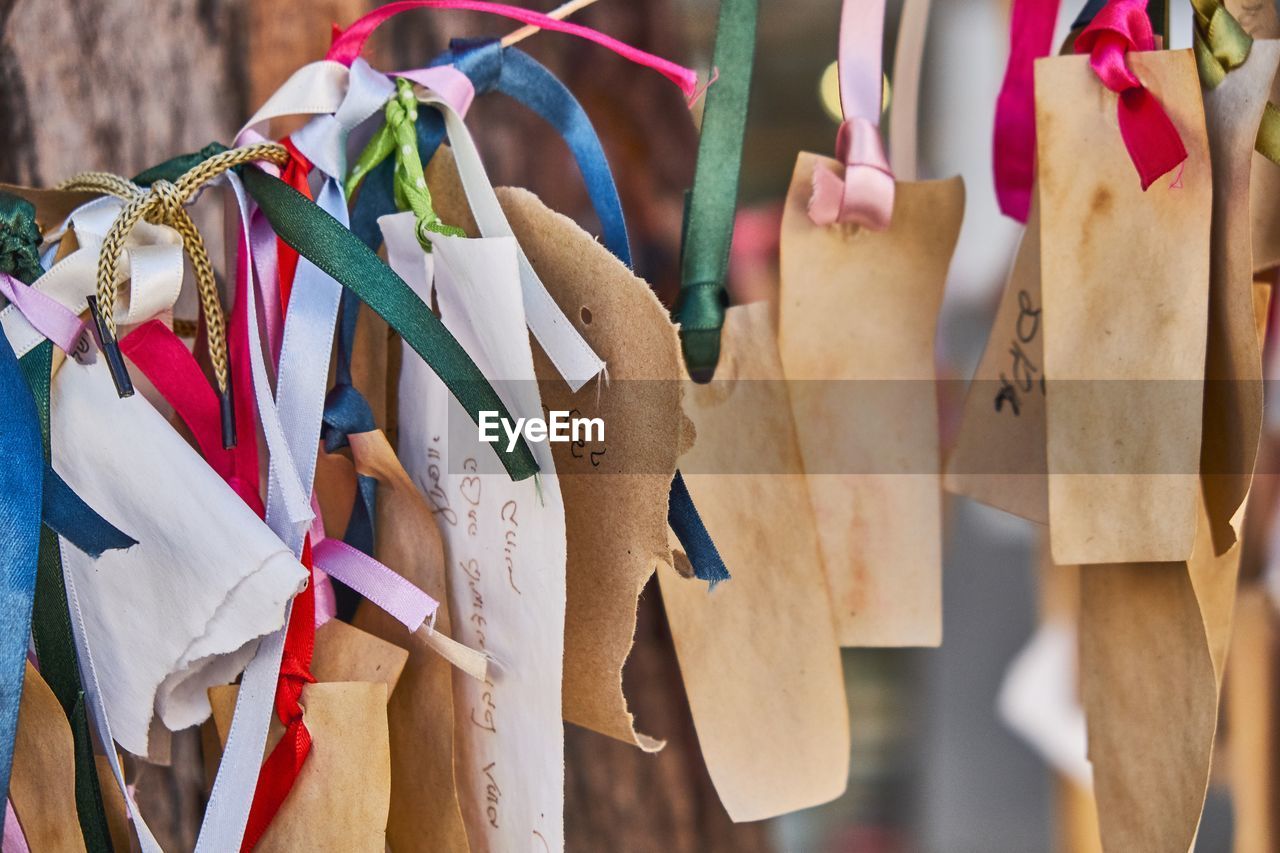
(1014, 150)
(864, 196)
(1222, 45)
(1149, 135)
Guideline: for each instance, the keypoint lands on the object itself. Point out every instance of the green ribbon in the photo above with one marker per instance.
(1221, 46)
(325, 242)
(399, 137)
(711, 204)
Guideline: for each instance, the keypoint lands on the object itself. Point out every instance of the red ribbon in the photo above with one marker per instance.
(1014, 150)
(1153, 142)
(282, 766)
(294, 174)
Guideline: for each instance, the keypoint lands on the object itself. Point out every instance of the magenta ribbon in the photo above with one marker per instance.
(50, 317)
(864, 195)
(1153, 142)
(348, 44)
(1014, 150)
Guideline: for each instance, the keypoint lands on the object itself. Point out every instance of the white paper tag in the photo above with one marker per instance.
(504, 545)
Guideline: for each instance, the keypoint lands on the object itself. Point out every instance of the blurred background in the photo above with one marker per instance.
(123, 84)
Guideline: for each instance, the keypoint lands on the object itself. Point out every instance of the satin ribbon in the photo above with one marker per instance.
(865, 194)
(1150, 137)
(1031, 27)
(711, 204)
(349, 43)
(1222, 45)
(49, 316)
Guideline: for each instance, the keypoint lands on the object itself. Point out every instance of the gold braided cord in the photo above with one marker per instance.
(164, 203)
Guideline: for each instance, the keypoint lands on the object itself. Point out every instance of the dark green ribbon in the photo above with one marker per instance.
(712, 203)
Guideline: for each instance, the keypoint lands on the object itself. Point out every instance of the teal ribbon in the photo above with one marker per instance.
(711, 204)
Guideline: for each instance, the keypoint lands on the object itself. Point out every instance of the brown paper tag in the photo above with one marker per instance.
(339, 800)
(758, 654)
(425, 813)
(858, 315)
(999, 453)
(42, 786)
(615, 494)
(1233, 369)
(1125, 278)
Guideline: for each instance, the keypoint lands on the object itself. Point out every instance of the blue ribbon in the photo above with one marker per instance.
(492, 68)
(21, 495)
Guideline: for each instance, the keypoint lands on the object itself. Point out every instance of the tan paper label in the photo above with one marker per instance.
(1125, 279)
(857, 318)
(758, 653)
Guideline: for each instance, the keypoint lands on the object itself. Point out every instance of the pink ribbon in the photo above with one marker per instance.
(14, 839)
(349, 43)
(864, 196)
(1153, 142)
(1014, 150)
(49, 316)
(403, 601)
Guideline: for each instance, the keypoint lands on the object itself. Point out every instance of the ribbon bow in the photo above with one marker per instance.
(1150, 137)
(864, 196)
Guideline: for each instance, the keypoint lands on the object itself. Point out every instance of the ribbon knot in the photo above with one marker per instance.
(1149, 135)
(1223, 45)
(865, 195)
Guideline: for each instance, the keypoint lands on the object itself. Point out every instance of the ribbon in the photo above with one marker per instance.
(398, 137)
(1221, 46)
(49, 316)
(348, 44)
(1150, 137)
(864, 196)
(711, 204)
(1014, 150)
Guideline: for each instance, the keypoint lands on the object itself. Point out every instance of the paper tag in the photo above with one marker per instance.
(857, 317)
(759, 653)
(505, 552)
(1253, 740)
(1125, 279)
(425, 813)
(43, 785)
(999, 454)
(183, 609)
(339, 800)
(1233, 366)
